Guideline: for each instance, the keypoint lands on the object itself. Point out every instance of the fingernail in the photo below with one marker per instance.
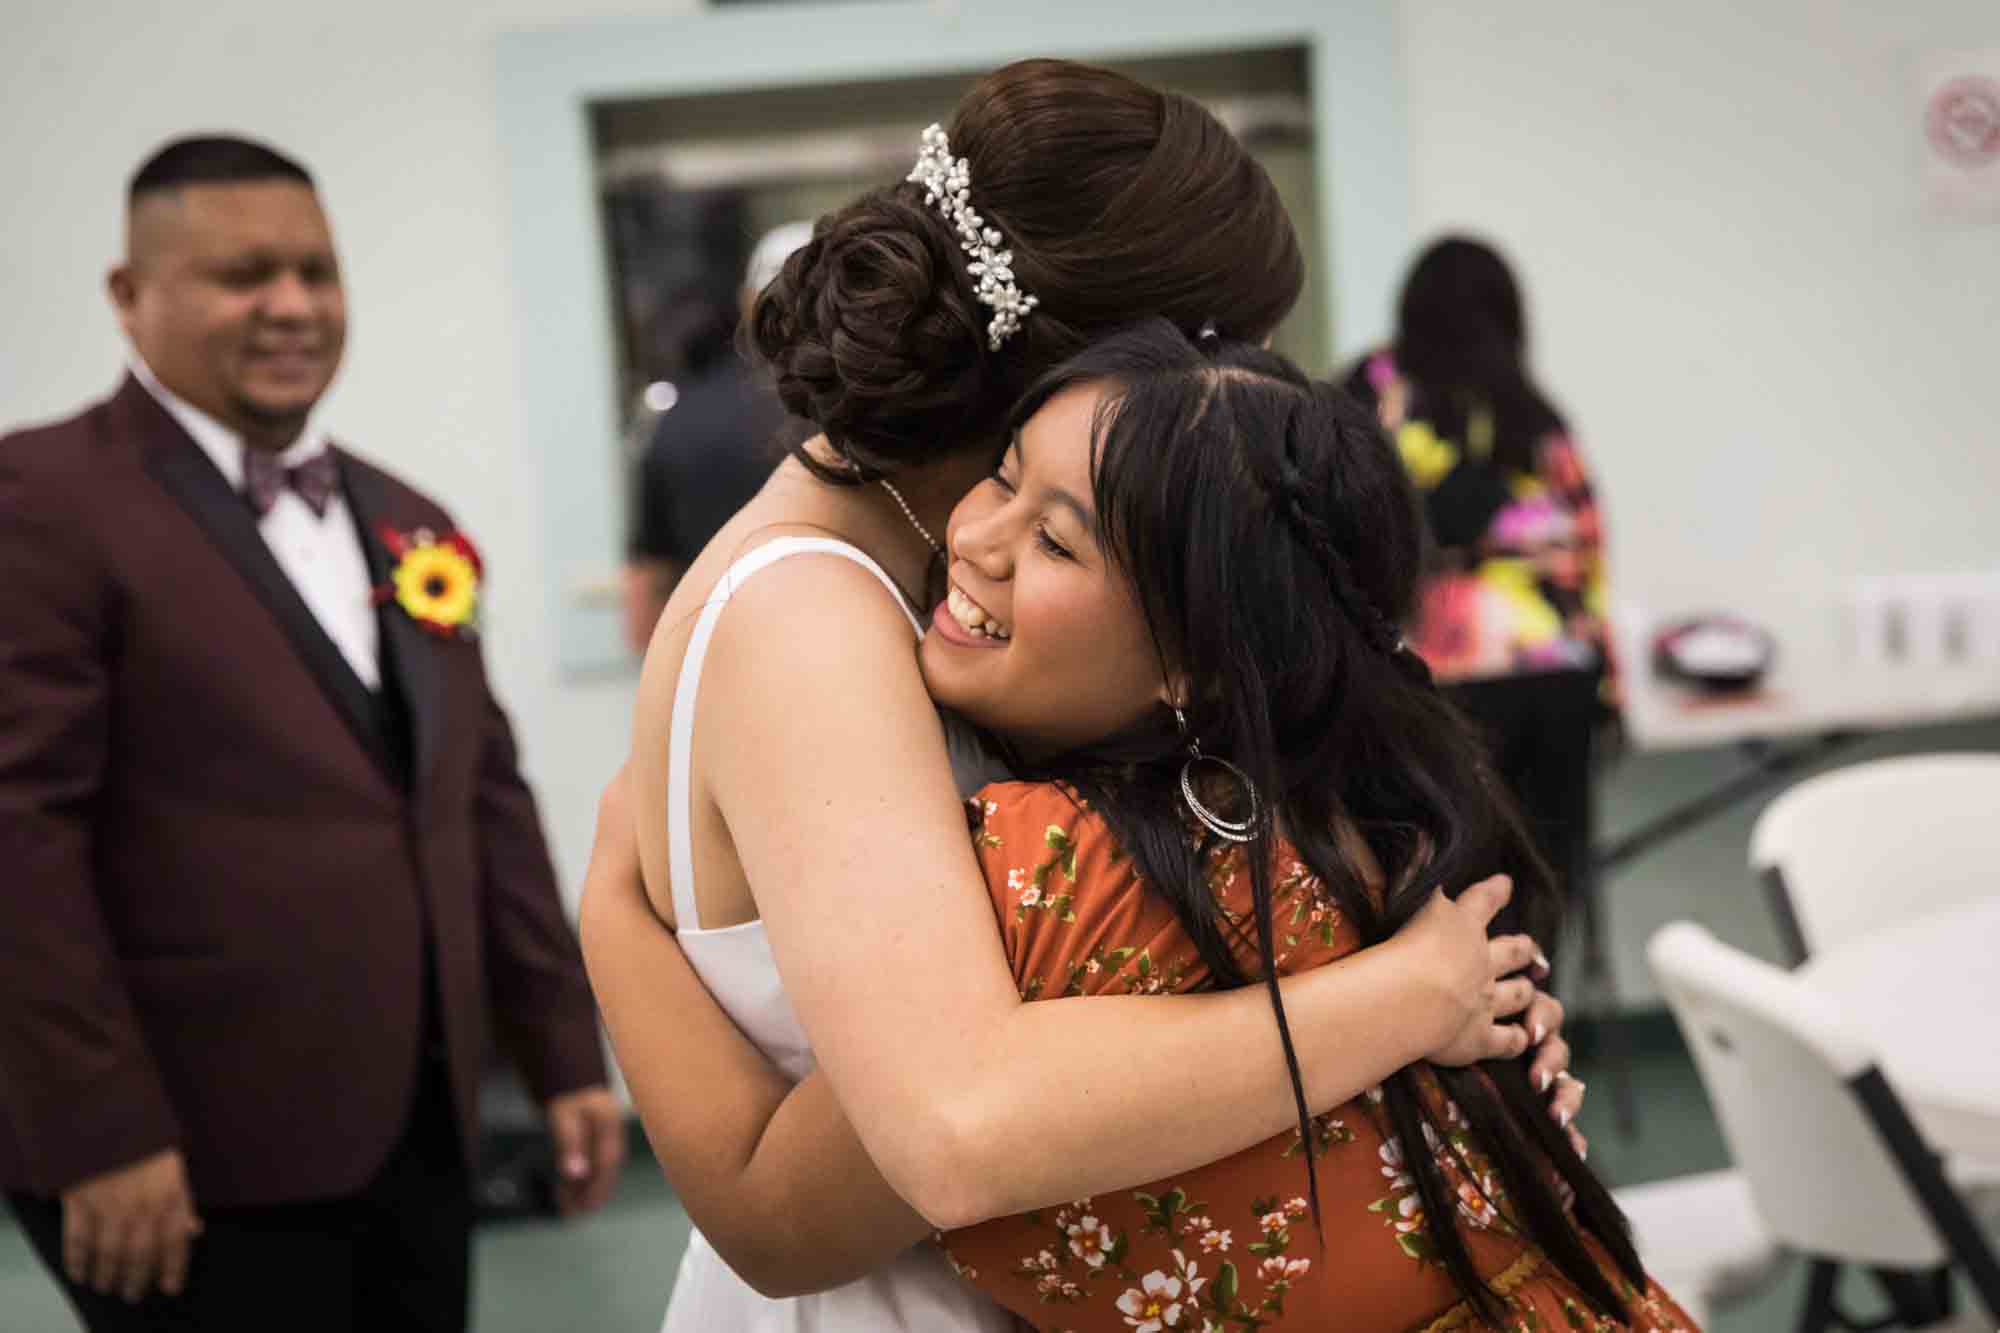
(1540, 1032)
(1562, 1118)
(1541, 960)
(575, 1167)
(1583, 1152)
(1547, 1079)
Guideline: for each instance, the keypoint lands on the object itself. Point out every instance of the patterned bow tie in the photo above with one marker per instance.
(264, 475)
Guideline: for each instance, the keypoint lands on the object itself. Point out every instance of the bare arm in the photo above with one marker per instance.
(772, 1174)
(838, 794)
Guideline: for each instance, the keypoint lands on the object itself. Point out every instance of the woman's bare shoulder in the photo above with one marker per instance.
(817, 611)
(812, 604)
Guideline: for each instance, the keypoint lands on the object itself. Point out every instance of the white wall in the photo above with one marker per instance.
(1781, 369)
(1774, 360)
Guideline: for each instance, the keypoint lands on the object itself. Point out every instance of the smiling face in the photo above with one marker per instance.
(232, 295)
(1040, 638)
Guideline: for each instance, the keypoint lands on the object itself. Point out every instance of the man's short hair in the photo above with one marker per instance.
(213, 159)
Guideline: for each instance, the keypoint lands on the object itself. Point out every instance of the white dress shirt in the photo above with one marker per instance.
(320, 554)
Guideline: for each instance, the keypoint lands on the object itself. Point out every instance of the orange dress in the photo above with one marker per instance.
(1230, 1246)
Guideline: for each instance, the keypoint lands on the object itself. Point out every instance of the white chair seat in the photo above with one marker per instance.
(1829, 1152)
(1701, 1238)
(1880, 842)
(1969, 1173)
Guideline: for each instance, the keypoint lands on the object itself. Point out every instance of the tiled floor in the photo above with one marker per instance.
(612, 1273)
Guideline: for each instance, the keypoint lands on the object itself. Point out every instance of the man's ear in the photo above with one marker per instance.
(124, 290)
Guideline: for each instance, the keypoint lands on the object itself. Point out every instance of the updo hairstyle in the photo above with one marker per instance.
(1118, 202)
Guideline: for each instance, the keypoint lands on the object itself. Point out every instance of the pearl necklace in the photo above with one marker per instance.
(937, 548)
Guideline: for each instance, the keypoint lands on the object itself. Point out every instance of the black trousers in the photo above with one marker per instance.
(1539, 729)
(396, 1256)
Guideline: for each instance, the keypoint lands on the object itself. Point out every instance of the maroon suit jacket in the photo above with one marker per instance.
(217, 864)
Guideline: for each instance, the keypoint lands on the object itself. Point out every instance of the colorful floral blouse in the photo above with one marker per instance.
(1527, 595)
(1230, 1246)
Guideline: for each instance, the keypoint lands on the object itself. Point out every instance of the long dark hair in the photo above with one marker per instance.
(1118, 201)
(1274, 544)
(1462, 344)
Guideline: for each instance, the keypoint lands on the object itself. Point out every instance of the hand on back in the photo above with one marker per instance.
(1475, 977)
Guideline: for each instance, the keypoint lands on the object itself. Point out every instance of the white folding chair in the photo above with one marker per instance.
(1878, 842)
(1701, 1237)
(1838, 1170)
(1881, 842)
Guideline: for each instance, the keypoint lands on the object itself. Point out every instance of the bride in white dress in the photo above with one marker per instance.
(892, 1081)
(913, 1290)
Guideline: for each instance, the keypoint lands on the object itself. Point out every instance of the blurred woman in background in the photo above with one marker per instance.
(1511, 618)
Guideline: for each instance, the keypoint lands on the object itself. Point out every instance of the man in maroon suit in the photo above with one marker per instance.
(266, 857)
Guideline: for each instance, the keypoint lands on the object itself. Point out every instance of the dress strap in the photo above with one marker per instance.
(680, 754)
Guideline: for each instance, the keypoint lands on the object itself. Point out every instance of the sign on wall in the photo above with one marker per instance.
(1959, 116)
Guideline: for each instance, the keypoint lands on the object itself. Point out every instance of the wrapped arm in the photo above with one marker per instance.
(772, 1174)
(785, 1189)
(842, 810)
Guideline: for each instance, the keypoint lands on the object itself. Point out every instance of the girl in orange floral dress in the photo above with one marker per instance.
(1174, 607)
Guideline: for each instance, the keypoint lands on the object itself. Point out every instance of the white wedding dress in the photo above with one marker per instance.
(915, 1291)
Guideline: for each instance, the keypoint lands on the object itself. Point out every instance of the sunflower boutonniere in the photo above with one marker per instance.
(435, 580)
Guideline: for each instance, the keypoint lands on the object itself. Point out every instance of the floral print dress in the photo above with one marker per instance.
(1230, 1246)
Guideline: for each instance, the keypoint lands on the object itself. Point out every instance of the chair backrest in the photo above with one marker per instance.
(1881, 842)
(1780, 1068)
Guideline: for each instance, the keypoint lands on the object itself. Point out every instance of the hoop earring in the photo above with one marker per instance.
(1229, 830)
